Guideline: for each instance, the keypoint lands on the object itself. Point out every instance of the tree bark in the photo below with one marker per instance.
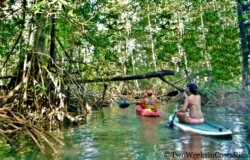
(52, 41)
(15, 80)
(244, 47)
(151, 39)
(157, 74)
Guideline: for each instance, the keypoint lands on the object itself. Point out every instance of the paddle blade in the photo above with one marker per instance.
(124, 105)
(136, 97)
(172, 93)
(170, 124)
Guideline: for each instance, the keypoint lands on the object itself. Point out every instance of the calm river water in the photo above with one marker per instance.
(120, 134)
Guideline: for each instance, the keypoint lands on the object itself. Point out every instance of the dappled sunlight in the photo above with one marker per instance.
(72, 71)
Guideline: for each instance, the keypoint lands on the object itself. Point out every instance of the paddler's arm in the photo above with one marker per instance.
(185, 106)
(142, 103)
(156, 100)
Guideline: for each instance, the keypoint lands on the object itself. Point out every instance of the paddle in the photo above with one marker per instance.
(171, 123)
(125, 104)
(172, 93)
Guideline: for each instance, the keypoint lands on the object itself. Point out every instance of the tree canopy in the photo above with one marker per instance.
(113, 37)
(49, 50)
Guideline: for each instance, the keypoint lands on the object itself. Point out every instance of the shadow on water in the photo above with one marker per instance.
(116, 133)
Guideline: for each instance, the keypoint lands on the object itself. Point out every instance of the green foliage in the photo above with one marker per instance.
(108, 37)
(41, 88)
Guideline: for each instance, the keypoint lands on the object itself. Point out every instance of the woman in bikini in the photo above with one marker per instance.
(193, 102)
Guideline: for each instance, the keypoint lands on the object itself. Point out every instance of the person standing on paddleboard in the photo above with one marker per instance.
(193, 103)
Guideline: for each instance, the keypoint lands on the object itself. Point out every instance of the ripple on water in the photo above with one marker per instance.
(121, 134)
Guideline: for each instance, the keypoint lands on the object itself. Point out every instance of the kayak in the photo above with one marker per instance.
(147, 112)
(205, 128)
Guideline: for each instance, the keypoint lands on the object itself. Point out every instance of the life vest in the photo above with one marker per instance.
(150, 104)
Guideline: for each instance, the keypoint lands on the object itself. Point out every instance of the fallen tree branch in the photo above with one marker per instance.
(171, 84)
(156, 74)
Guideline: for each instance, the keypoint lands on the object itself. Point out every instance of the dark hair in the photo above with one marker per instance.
(193, 88)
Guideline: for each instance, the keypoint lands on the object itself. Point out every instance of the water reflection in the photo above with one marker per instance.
(116, 133)
(148, 127)
(191, 145)
(121, 134)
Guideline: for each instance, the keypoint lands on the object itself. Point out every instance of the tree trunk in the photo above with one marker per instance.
(15, 80)
(244, 47)
(204, 50)
(52, 41)
(152, 40)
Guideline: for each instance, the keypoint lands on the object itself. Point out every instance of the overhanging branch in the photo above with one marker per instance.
(156, 74)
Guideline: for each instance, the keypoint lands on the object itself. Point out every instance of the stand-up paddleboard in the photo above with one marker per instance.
(205, 128)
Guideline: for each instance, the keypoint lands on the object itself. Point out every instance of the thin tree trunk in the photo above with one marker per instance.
(133, 68)
(14, 46)
(15, 80)
(244, 49)
(205, 54)
(152, 40)
(52, 41)
(129, 51)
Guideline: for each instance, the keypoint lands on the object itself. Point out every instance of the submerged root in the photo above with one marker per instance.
(13, 123)
(37, 103)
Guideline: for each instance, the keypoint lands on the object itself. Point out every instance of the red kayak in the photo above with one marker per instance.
(147, 112)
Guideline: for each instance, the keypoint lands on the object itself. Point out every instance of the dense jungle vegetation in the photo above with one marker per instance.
(50, 49)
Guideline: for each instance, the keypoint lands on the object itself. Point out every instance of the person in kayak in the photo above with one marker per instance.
(193, 102)
(149, 102)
